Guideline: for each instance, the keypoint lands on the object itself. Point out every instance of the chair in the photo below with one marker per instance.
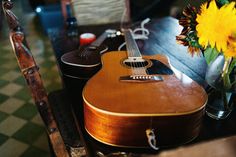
(1, 16)
(64, 3)
(43, 102)
(90, 12)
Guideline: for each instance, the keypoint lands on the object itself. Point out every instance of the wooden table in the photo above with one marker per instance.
(161, 40)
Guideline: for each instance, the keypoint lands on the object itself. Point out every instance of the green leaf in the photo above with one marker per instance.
(222, 2)
(232, 64)
(210, 54)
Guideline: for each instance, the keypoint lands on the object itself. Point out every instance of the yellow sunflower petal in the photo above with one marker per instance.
(215, 25)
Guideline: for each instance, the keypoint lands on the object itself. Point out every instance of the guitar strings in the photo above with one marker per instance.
(132, 65)
(139, 65)
(129, 48)
(132, 48)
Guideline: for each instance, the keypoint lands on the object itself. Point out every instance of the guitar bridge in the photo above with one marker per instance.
(141, 78)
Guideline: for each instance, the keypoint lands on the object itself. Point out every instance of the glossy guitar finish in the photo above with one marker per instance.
(82, 64)
(86, 61)
(119, 111)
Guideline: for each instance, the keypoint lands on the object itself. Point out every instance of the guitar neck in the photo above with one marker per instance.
(131, 45)
(100, 39)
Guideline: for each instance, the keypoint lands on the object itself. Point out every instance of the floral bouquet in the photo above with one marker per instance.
(211, 30)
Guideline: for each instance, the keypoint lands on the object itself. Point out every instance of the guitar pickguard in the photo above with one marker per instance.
(158, 68)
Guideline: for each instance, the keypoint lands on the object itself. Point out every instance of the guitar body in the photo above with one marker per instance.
(120, 112)
(84, 62)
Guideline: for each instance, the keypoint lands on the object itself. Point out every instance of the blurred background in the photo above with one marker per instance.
(21, 129)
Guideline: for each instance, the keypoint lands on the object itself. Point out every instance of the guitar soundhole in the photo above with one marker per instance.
(136, 64)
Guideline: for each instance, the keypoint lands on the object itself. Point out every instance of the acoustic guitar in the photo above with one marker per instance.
(86, 61)
(142, 101)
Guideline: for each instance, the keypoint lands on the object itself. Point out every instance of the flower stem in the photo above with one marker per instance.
(225, 74)
(226, 82)
(226, 105)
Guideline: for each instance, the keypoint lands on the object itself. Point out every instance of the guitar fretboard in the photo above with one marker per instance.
(100, 39)
(131, 45)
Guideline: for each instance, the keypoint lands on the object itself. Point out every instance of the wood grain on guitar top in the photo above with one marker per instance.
(117, 113)
(172, 96)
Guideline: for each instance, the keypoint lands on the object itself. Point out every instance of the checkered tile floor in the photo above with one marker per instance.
(22, 133)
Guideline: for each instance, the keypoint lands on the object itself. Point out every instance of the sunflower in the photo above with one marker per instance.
(231, 50)
(188, 36)
(216, 27)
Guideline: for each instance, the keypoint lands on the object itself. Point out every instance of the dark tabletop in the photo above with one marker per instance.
(161, 41)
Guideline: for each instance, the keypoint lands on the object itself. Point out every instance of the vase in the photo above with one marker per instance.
(220, 104)
(220, 101)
